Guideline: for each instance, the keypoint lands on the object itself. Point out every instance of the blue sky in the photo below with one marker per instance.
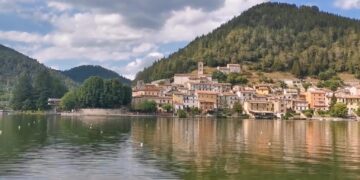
(125, 35)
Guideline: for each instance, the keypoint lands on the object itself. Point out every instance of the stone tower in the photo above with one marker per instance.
(200, 68)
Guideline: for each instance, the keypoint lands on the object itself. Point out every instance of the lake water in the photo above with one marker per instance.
(53, 147)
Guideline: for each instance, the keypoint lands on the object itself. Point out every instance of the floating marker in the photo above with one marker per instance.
(269, 144)
(260, 132)
(0, 132)
(141, 144)
(28, 124)
(19, 127)
(101, 132)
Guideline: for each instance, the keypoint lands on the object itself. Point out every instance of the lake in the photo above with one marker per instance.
(54, 147)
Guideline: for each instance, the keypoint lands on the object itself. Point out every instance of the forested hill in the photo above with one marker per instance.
(13, 64)
(271, 37)
(81, 73)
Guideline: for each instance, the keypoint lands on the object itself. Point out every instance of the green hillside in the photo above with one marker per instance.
(13, 64)
(81, 73)
(271, 37)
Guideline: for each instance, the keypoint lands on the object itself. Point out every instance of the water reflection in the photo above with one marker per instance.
(248, 148)
(152, 148)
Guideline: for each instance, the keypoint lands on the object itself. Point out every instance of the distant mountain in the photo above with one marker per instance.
(81, 73)
(13, 63)
(271, 37)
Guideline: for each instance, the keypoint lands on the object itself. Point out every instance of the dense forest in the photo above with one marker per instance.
(96, 92)
(81, 73)
(272, 37)
(13, 64)
(32, 95)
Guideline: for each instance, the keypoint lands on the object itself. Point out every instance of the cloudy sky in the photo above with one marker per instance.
(123, 35)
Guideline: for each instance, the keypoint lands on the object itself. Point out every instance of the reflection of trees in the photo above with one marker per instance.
(211, 148)
(38, 134)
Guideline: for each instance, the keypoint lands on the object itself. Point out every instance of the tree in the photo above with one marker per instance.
(296, 69)
(181, 113)
(220, 76)
(358, 111)
(306, 85)
(283, 84)
(43, 89)
(167, 107)
(146, 106)
(237, 108)
(69, 101)
(91, 92)
(22, 94)
(98, 93)
(339, 110)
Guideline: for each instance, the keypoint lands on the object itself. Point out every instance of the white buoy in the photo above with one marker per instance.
(141, 144)
(0, 132)
(101, 132)
(28, 124)
(269, 144)
(260, 132)
(19, 127)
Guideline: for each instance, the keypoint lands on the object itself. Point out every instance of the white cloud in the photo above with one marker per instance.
(18, 36)
(87, 34)
(60, 6)
(186, 24)
(348, 4)
(130, 70)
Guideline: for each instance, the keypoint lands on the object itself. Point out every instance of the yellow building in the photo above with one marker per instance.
(207, 100)
(263, 89)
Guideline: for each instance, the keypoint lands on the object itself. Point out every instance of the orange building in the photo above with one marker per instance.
(316, 99)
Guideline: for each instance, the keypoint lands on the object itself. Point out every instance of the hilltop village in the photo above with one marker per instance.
(201, 93)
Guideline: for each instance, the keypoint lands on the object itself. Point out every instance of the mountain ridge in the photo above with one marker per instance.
(81, 73)
(271, 37)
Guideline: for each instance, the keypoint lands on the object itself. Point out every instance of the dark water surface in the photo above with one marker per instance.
(40, 147)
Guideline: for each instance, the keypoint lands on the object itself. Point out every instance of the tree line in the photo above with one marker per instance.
(33, 93)
(96, 92)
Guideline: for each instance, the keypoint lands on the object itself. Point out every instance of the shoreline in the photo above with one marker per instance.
(122, 113)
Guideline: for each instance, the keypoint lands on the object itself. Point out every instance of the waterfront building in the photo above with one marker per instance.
(317, 99)
(207, 100)
(300, 105)
(259, 109)
(352, 102)
(160, 101)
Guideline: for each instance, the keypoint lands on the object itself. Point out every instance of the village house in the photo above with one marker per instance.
(317, 99)
(146, 90)
(293, 83)
(300, 105)
(160, 101)
(352, 102)
(227, 100)
(245, 93)
(209, 86)
(259, 109)
(262, 89)
(207, 100)
(230, 68)
(280, 105)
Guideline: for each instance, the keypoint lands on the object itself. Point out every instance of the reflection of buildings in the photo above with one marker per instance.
(205, 142)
